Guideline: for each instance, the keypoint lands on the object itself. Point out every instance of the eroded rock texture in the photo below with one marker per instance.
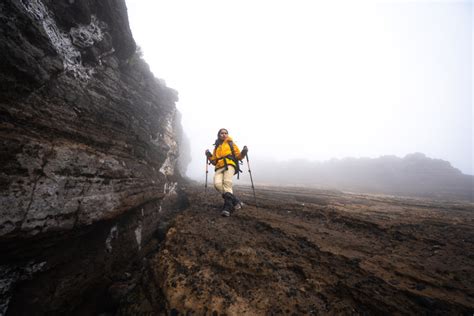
(312, 252)
(89, 147)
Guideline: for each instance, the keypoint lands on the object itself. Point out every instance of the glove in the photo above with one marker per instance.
(244, 151)
(208, 154)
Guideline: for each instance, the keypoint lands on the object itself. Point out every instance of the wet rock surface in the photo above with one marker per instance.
(312, 252)
(89, 152)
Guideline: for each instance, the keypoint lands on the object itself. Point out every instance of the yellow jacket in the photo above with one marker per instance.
(223, 150)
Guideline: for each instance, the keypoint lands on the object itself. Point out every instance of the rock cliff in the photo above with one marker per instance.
(89, 143)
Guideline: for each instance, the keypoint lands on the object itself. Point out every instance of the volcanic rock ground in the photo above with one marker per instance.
(312, 252)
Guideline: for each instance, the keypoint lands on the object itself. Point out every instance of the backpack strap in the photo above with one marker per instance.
(234, 158)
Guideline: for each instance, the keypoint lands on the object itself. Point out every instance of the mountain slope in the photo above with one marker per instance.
(313, 252)
(413, 175)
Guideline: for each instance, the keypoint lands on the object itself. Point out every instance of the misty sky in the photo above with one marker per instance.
(316, 79)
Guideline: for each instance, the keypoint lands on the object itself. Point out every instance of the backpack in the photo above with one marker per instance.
(232, 157)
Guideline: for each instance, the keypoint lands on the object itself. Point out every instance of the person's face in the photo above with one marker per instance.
(223, 134)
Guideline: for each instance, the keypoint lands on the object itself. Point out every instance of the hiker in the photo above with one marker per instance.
(225, 158)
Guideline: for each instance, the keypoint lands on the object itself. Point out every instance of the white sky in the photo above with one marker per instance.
(316, 79)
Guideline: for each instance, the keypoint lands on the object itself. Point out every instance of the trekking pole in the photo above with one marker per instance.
(251, 180)
(205, 186)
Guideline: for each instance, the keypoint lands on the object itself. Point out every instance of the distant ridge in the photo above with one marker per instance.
(413, 175)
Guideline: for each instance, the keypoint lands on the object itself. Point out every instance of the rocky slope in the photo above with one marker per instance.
(89, 148)
(312, 252)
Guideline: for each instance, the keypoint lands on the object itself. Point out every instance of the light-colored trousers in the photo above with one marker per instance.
(223, 179)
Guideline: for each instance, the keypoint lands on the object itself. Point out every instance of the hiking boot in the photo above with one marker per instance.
(228, 201)
(236, 202)
(238, 205)
(228, 205)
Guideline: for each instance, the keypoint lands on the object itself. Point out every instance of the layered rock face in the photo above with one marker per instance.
(89, 148)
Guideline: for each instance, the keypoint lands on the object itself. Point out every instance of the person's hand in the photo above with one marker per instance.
(208, 154)
(244, 151)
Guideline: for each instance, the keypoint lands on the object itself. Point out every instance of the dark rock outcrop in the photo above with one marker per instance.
(89, 153)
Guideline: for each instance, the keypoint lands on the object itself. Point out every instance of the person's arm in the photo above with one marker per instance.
(211, 157)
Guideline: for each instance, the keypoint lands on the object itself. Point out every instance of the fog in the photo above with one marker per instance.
(316, 80)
